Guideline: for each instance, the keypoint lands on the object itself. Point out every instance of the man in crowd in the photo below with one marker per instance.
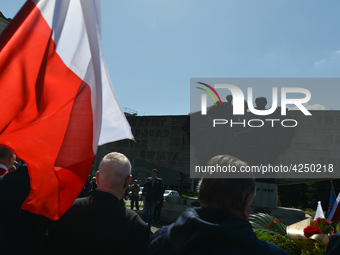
(99, 224)
(159, 206)
(220, 225)
(7, 159)
(135, 195)
(21, 232)
(94, 183)
(153, 197)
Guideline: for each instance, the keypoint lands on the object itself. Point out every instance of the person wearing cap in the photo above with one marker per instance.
(94, 183)
(135, 195)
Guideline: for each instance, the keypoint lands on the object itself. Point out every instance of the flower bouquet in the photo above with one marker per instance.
(311, 235)
(270, 229)
(304, 237)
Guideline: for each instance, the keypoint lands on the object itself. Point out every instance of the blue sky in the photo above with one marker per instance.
(152, 48)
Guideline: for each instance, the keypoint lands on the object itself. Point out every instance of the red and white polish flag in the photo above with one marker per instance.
(57, 100)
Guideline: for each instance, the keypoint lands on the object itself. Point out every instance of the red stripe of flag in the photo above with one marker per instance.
(46, 114)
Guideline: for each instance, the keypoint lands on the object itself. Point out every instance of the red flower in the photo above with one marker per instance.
(328, 223)
(311, 230)
(317, 220)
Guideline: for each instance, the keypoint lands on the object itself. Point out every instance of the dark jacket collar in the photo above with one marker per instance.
(100, 194)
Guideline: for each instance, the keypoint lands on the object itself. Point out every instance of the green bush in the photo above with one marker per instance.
(280, 241)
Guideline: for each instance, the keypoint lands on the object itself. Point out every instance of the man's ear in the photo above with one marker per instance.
(246, 207)
(10, 161)
(127, 182)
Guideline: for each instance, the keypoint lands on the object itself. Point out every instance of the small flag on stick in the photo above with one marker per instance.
(319, 212)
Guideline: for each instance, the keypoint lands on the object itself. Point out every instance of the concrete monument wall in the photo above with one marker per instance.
(316, 143)
(162, 142)
(3, 22)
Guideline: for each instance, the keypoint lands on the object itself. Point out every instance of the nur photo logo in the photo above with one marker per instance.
(238, 98)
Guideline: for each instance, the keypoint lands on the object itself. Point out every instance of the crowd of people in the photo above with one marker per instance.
(99, 224)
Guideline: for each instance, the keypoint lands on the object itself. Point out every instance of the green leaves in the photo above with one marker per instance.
(279, 240)
(267, 223)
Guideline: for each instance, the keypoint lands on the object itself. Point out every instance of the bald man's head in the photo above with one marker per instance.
(114, 171)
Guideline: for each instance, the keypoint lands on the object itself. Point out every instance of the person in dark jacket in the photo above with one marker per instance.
(135, 195)
(159, 206)
(21, 232)
(220, 225)
(99, 224)
(333, 247)
(153, 197)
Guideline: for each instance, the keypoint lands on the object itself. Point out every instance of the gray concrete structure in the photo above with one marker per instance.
(3, 22)
(176, 206)
(316, 141)
(265, 201)
(162, 142)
